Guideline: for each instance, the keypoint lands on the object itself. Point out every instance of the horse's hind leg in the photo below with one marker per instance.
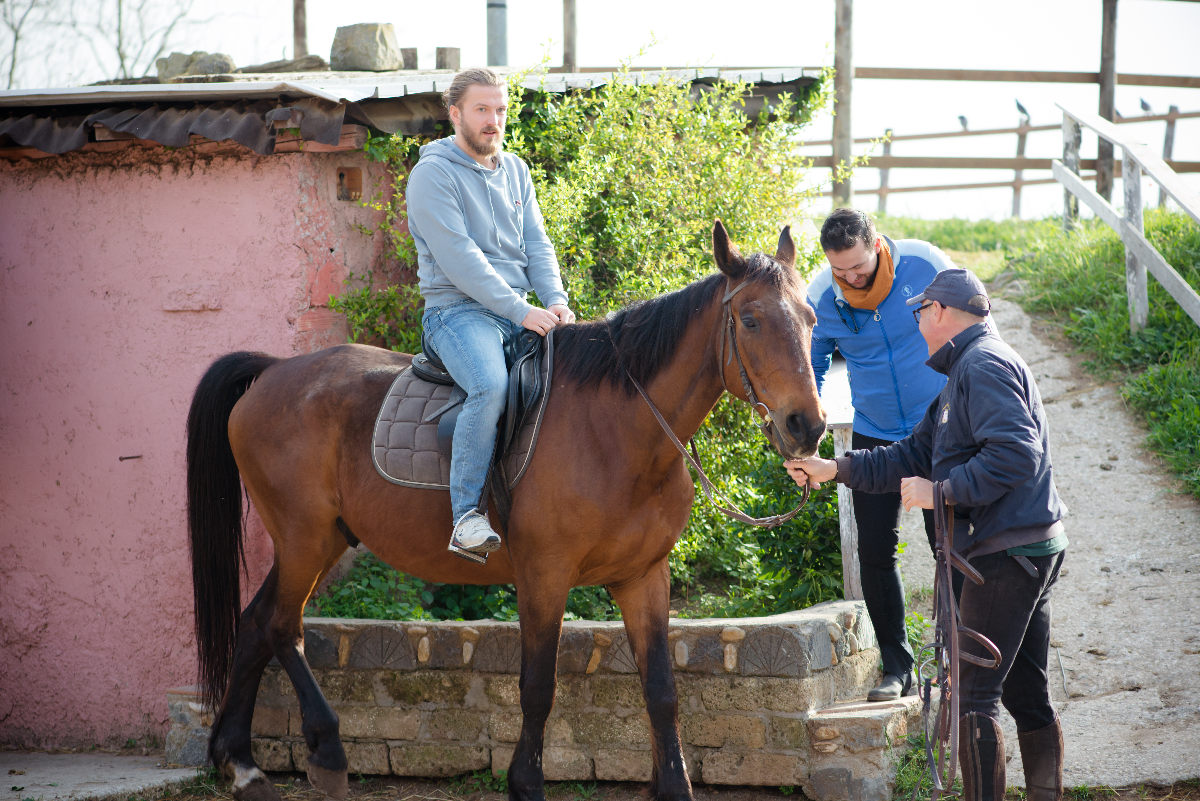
(645, 608)
(301, 565)
(229, 745)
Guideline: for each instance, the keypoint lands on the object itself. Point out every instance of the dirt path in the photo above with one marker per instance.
(1126, 625)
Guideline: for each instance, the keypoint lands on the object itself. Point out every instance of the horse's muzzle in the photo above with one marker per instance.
(801, 435)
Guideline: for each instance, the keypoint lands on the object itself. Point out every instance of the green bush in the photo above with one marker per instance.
(630, 177)
(388, 316)
(374, 590)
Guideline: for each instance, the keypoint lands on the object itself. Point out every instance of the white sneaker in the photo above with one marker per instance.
(473, 537)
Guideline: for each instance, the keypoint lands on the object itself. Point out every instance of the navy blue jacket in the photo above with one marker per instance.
(890, 386)
(984, 437)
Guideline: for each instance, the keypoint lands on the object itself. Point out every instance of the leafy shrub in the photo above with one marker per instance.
(388, 316)
(374, 590)
(630, 177)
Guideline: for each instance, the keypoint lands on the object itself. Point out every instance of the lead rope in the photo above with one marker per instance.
(717, 498)
(945, 651)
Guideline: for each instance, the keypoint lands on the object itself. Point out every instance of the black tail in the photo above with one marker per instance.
(215, 515)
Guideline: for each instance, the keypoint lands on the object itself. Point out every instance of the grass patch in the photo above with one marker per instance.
(1078, 280)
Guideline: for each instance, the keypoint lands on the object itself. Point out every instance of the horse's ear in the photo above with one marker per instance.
(785, 252)
(728, 259)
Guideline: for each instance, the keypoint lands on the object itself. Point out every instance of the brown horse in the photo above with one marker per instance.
(602, 503)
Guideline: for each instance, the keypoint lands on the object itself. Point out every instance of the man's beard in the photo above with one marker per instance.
(479, 147)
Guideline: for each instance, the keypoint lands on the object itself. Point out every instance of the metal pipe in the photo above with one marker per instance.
(497, 33)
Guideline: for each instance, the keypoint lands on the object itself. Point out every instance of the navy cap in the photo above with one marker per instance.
(957, 288)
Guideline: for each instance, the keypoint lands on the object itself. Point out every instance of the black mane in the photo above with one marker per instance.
(647, 333)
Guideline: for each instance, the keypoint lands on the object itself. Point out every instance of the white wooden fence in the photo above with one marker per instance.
(1140, 255)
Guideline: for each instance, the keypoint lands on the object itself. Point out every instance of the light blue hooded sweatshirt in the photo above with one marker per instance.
(479, 233)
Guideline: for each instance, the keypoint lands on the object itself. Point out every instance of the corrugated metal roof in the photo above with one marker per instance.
(242, 107)
(353, 86)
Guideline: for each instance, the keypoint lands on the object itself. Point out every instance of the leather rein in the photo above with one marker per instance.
(946, 652)
(718, 499)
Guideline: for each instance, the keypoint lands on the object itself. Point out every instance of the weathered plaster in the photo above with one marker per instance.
(122, 276)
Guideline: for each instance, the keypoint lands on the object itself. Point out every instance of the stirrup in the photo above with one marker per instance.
(479, 552)
(477, 558)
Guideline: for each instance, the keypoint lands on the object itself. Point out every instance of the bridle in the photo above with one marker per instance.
(714, 495)
(730, 336)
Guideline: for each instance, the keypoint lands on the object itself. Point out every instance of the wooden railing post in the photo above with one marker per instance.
(1135, 271)
(843, 83)
(1072, 136)
(1108, 86)
(1018, 175)
(847, 525)
(883, 173)
(1168, 146)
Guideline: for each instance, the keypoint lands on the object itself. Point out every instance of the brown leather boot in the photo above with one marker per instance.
(1042, 757)
(981, 757)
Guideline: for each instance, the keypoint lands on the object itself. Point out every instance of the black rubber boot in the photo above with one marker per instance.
(981, 757)
(1042, 757)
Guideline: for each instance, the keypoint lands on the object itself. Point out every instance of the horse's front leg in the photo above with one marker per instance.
(541, 611)
(645, 607)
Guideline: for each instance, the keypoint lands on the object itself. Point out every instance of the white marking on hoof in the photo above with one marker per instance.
(242, 777)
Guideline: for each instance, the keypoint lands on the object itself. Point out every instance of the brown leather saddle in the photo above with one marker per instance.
(414, 429)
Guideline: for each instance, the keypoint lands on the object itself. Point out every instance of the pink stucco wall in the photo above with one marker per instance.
(122, 276)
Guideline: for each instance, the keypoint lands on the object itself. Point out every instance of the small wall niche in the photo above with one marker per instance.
(349, 183)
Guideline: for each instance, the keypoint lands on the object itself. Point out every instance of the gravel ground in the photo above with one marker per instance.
(1125, 658)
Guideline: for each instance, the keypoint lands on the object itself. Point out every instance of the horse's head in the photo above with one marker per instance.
(766, 342)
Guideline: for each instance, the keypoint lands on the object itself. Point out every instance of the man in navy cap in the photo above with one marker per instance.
(984, 441)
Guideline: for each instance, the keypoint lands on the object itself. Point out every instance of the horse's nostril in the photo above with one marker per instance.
(798, 425)
(805, 430)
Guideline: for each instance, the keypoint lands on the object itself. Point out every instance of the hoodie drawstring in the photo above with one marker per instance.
(487, 190)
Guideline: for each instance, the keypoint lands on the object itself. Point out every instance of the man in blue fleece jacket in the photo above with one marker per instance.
(859, 300)
(481, 248)
(985, 441)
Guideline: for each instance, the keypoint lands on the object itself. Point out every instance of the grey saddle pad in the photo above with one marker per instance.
(405, 443)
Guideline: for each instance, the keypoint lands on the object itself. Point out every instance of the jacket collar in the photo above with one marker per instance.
(945, 357)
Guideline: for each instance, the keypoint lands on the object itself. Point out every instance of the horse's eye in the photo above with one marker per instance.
(749, 322)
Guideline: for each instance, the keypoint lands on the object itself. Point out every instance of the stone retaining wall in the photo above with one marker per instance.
(762, 701)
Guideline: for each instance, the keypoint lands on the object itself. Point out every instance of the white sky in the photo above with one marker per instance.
(1154, 37)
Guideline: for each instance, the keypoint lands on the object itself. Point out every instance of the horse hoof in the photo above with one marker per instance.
(333, 783)
(258, 788)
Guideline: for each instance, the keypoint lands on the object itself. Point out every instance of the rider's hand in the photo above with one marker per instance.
(540, 320)
(916, 492)
(563, 313)
(811, 471)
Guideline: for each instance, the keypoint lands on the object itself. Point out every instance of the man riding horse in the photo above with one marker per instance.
(481, 247)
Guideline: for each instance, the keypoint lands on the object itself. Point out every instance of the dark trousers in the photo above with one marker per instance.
(1012, 609)
(878, 518)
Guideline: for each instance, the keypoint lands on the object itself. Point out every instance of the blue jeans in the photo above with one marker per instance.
(470, 341)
